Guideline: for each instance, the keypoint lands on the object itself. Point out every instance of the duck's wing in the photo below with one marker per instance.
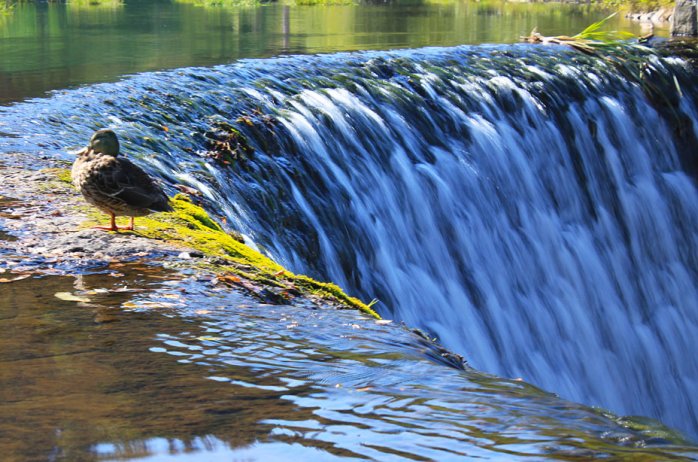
(128, 182)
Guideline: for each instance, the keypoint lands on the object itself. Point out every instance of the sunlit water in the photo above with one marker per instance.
(531, 207)
(151, 366)
(46, 46)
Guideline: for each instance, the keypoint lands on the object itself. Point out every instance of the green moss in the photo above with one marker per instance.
(190, 226)
(60, 174)
(327, 289)
(58, 181)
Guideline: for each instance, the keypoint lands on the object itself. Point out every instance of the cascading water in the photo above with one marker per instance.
(533, 208)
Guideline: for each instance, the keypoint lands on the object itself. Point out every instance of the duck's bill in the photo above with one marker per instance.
(79, 152)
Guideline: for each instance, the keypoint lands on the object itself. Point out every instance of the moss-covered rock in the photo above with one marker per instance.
(191, 227)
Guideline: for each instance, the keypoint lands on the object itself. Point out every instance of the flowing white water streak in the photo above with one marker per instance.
(492, 242)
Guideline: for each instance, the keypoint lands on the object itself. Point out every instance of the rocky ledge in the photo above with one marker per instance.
(660, 16)
(46, 227)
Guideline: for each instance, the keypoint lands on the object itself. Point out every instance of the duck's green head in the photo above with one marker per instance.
(105, 142)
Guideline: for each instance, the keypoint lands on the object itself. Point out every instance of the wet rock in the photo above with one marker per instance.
(660, 16)
(684, 22)
(52, 235)
(226, 145)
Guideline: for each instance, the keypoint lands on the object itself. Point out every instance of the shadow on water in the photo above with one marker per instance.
(134, 362)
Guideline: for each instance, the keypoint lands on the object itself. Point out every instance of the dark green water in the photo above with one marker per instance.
(55, 46)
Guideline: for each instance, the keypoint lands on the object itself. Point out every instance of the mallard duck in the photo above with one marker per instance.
(114, 184)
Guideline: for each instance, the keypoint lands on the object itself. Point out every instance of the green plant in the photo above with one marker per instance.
(6, 7)
(593, 33)
(590, 40)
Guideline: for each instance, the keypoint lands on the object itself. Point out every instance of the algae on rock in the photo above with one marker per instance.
(190, 226)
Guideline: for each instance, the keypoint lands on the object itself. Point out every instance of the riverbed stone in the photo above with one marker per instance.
(684, 22)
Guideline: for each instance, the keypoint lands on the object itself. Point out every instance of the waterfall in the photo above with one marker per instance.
(535, 219)
(535, 209)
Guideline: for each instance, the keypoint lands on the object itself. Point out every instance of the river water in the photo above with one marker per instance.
(43, 46)
(533, 208)
(158, 367)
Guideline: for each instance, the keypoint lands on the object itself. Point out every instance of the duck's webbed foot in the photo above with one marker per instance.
(112, 225)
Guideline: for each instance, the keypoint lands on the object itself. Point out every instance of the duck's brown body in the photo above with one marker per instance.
(115, 185)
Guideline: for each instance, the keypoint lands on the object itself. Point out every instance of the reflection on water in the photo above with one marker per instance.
(156, 367)
(53, 46)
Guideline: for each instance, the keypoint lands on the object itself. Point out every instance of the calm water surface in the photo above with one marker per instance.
(54, 46)
(148, 365)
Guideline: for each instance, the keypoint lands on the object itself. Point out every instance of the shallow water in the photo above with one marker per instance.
(153, 366)
(58, 45)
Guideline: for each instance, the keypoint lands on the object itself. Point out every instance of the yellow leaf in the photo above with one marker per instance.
(68, 297)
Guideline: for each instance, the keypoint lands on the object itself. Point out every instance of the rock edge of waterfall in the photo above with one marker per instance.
(44, 220)
(45, 228)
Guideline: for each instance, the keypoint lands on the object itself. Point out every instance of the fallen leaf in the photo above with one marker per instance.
(188, 190)
(68, 297)
(155, 304)
(16, 278)
(127, 289)
(229, 278)
(97, 291)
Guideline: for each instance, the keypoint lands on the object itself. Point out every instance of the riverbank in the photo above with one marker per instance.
(661, 15)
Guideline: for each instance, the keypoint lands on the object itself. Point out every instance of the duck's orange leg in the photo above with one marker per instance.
(129, 227)
(111, 227)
